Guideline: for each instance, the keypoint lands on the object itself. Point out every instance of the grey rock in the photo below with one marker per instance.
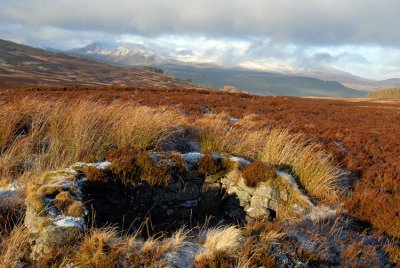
(273, 204)
(242, 185)
(264, 191)
(258, 201)
(258, 213)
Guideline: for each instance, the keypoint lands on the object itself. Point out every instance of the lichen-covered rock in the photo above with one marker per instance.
(49, 204)
(57, 204)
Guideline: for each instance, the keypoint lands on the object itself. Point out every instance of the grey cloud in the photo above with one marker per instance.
(308, 22)
(326, 57)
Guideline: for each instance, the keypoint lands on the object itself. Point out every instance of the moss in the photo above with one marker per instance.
(45, 190)
(76, 209)
(63, 200)
(258, 172)
(35, 201)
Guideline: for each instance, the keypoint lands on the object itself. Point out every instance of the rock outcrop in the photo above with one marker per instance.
(61, 203)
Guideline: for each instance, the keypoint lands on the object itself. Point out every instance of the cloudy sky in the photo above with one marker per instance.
(358, 36)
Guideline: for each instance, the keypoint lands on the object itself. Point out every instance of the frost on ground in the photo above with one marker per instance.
(68, 221)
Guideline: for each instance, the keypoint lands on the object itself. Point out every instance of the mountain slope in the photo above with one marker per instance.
(263, 83)
(26, 66)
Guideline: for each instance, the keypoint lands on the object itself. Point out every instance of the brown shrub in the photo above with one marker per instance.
(96, 174)
(152, 173)
(218, 260)
(258, 172)
(180, 165)
(214, 166)
(132, 165)
(123, 164)
(364, 127)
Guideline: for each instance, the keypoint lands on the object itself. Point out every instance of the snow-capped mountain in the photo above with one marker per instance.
(131, 56)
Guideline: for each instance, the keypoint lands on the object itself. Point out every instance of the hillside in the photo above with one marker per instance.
(26, 66)
(262, 83)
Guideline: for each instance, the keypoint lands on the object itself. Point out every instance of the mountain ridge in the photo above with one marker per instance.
(23, 66)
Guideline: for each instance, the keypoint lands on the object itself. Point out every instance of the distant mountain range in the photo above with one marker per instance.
(98, 65)
(254, 81)
(139, 55)
(24, 66)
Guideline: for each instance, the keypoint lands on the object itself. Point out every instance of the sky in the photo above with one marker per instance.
(358, 36)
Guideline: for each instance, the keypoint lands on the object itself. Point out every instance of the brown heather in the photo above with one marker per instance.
(258, 172)
(58, 128)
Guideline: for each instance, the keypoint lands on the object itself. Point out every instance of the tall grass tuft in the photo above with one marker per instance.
(37, 135)
(314, 168)
(217, 135)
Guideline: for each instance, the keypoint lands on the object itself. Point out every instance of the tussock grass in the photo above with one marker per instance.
(315, 169)
(39, 135)
(107, 248)
(217, 135)
(218, 243)
(385, 93)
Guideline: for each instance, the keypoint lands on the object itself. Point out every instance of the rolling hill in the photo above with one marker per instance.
(24, 66)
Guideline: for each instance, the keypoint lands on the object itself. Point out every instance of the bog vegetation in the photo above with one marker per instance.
(38, 135)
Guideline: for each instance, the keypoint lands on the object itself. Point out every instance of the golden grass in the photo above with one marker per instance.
(14, 248)
(45, 135)
(217, 135)
(385, 93)
(219, 240)
(315, 168)
(107, 248)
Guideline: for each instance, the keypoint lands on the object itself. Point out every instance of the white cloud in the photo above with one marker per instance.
(360, 36)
